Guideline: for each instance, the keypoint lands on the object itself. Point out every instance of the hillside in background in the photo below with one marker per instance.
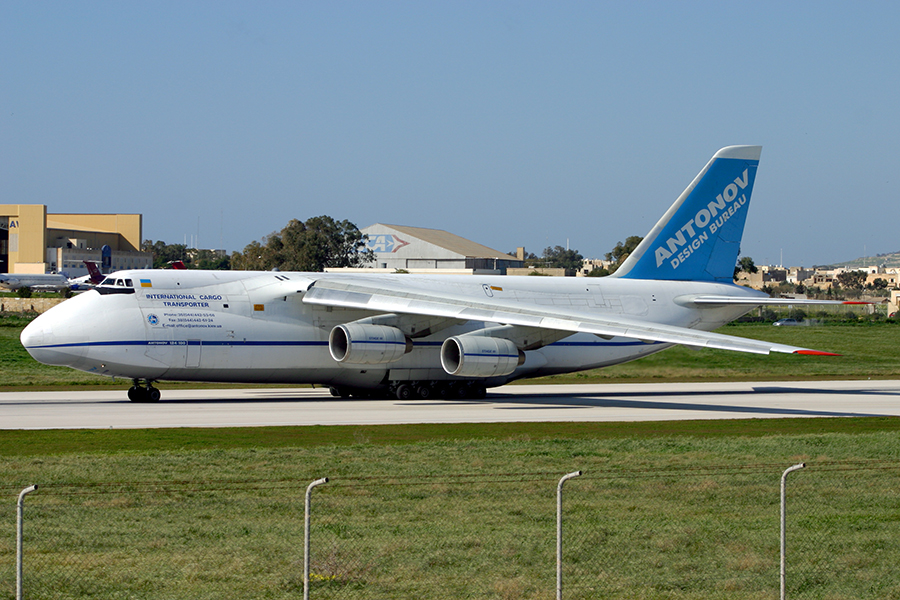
(890, 259)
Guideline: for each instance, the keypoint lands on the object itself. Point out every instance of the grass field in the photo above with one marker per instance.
(678, 510)
(867, 351)
(464, 513)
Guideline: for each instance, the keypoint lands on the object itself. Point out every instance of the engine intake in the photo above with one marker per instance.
(361, 344)
(477, 356)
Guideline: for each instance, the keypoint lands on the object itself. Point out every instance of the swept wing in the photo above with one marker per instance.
(387, 298)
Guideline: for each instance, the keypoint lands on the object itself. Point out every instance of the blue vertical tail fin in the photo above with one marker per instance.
(699, 237)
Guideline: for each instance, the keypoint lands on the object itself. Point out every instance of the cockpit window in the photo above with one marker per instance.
(111, 285)
(128, 283)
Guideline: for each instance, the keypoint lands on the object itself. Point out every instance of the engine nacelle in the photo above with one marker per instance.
(363, 344)
(477, 356)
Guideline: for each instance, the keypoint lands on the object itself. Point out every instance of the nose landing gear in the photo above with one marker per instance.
(148, 393)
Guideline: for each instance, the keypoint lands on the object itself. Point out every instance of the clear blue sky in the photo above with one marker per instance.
(509, 123)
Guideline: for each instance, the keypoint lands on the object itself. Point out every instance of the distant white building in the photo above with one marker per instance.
(421, 250)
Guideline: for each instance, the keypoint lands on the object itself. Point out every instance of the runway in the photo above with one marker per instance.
(512, 403)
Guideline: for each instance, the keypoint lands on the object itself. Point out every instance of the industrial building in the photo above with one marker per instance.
(35, 241)
(421, 250)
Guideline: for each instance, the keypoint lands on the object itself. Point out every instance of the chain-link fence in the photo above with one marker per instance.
(711, 532)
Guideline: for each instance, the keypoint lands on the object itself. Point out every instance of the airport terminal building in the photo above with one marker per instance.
(35, 241)
(421, 250)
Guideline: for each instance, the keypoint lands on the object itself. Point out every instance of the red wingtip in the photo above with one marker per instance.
(815, 353)
(854, 302)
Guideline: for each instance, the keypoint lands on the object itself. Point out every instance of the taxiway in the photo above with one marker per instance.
(512, 403)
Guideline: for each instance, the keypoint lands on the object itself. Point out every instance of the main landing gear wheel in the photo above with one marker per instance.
(137, 393)
(438, 389)
(339, 392)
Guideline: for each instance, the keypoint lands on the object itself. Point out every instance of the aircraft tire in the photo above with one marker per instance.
(136, 393)
(152, 394)
(404, 391)
(424, 392)
(340, 392)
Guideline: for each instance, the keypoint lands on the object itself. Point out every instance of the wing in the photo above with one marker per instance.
(392, 298)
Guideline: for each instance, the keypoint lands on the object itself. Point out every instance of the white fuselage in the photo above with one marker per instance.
(254, 326)
(50, 281)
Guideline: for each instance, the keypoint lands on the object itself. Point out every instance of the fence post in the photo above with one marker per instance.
(20, 510)
(559, 531)
(306, 536)
(784, 520)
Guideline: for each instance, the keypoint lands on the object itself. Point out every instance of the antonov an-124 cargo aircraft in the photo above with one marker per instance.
(417, 336)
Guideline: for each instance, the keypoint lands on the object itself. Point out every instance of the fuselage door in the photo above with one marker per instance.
(192, 358)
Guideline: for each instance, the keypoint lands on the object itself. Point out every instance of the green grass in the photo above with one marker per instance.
(657, 514)
(24, 444)
(868, 351)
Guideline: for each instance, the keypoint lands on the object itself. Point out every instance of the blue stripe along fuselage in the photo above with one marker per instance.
(290, 343)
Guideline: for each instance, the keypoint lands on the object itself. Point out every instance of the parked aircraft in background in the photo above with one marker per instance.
(53, 281)
(37, 281)
(89, 281)
(414, 336)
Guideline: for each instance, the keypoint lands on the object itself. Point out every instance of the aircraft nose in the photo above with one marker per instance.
(32, 335)
(48, 339)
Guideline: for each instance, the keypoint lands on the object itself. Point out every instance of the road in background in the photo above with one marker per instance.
(513, 403)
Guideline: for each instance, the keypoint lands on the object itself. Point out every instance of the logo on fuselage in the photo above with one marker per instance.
(693, 234)
(153, 319)
(383, 242)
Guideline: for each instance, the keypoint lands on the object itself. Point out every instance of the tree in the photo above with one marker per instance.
(529, 256)
(562, 258)
(255, 256)
(312, 245)
(852, 280)
(164, 253)
(623, 251)
(879, 284)
(211, 260)
(746, 265)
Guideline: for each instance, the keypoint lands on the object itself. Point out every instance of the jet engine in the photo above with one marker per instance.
(366, 344)
(477, 356)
